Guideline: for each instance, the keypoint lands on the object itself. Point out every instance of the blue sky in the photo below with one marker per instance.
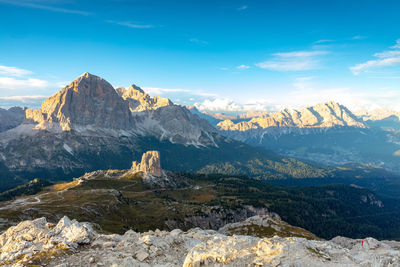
(231, 55)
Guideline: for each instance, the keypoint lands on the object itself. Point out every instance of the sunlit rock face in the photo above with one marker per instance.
(150, 164)
(326, 115)
(87, 101)
(140, 101)
(158, 116)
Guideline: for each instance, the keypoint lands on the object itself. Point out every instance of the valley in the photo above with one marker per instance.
(118, 200)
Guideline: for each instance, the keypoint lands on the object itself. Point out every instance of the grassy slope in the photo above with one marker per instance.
(120, 204)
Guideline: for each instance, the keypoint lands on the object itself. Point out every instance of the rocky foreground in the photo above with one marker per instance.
(70, 243)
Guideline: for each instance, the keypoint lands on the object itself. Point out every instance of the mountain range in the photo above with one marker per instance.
(328, 133)
(89, 125)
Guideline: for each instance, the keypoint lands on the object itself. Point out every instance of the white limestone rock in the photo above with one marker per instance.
(28, 238)
(195, 247)
(150, 164)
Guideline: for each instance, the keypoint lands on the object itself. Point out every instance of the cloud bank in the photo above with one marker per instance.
(384, 59)
(293, 61)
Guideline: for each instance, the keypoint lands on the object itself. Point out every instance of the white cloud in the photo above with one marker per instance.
(13, 71)
(293, 61)
(30, 4)
(308, 93)
(243, 67)
(322, 41)
(156, 91)
(218, 104)
(358, 37)
(353, 99)
(305, 92)
(385, 59)
(12, 83)
(33, 101)
(198, 41)
(16, 89)
(300, 54)
(287, 65)
(303, 96)
(244, 7)
(364, 67)
(160, 91)
(397, 45)
(130, 24)
(229, 105)
(24, 98)
(388, 54)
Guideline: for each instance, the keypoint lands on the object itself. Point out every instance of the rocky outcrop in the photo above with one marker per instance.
(265, 226)
(23, 242)
(153, 175)
(11, 118)
(150, 164)
(139, 101)
(34, 242)
(216, 217)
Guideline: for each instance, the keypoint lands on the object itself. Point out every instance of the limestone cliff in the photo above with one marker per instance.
(89, 101)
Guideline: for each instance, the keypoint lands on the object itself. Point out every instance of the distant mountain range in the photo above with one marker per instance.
(11, 118)
(328, 133)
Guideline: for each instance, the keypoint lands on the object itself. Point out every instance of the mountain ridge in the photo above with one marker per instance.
(323, 115)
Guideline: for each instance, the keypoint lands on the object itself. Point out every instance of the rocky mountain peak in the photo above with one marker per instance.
(88, 100)
(150, 164)
(139, 100)
(91, 106)
(136, 88)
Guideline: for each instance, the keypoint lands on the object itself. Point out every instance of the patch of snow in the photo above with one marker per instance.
(68, 149)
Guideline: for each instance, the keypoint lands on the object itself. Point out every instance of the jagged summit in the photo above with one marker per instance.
(323, 115)
(135, 87)
(139, 100)
(88, 75)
